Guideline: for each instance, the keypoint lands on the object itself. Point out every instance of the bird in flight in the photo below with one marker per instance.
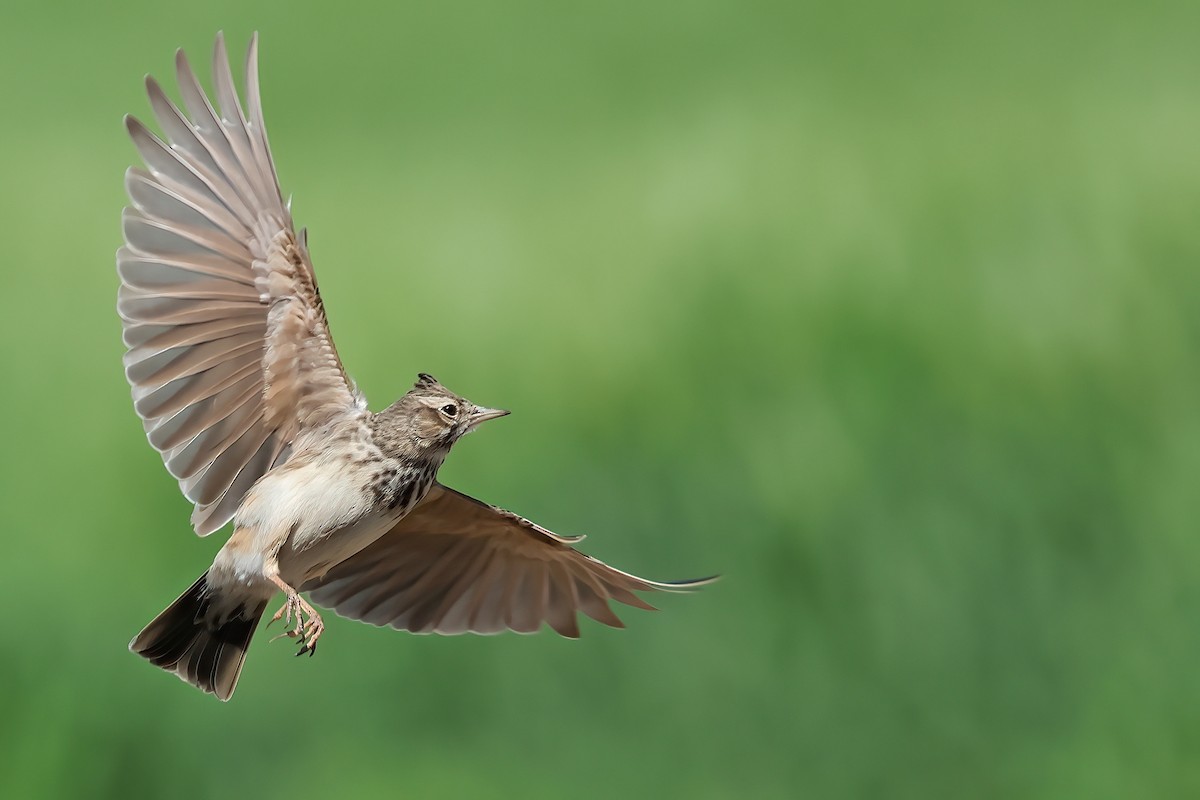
(239, 387)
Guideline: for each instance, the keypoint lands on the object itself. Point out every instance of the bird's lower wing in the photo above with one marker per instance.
(456, 565)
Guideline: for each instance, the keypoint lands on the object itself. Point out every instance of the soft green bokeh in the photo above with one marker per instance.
(888, 312)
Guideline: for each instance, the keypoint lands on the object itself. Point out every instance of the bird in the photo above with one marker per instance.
(238, 384)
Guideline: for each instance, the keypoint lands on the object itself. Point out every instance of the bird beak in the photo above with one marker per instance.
(480, 415)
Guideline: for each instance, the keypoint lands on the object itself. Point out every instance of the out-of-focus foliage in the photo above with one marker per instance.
(888, 312)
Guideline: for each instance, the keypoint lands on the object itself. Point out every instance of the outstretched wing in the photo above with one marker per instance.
(456, 565)
(229, 352)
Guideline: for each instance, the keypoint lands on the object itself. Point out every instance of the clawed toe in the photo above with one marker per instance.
(308, 627)
(309, 636)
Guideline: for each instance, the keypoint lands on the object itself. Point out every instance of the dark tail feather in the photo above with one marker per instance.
(209, 658)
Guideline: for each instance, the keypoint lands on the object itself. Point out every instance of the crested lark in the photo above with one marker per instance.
(240, 388)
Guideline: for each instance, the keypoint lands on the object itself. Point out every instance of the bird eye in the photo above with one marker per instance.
(450, 410)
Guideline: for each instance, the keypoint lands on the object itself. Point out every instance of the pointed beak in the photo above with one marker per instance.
(480, 415)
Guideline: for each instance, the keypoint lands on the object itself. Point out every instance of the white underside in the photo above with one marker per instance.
(297, 522)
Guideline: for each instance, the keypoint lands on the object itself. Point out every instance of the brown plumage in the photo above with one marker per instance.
(240, 388)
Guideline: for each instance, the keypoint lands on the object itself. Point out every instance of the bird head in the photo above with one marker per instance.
(437, 417)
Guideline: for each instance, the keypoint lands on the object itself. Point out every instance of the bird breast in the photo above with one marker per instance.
(316, 513)
(307, 501)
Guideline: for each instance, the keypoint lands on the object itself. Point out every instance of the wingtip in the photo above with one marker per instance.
(688, 585)
(220, 55)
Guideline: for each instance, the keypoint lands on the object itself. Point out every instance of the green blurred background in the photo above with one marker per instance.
(888, 312)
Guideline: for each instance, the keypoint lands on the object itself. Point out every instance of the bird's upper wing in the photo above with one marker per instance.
(454, 565)
(229, 352)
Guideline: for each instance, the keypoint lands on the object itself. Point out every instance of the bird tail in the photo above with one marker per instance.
(182, 639)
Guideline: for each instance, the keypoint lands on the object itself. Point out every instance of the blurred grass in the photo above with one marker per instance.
(887, 313)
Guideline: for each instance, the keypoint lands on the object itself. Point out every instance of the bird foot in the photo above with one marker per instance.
(308, 624)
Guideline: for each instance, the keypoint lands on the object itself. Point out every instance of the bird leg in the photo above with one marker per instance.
(308, 631)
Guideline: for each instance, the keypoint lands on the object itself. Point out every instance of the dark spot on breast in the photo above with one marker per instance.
(381, 485)
(401, 496)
